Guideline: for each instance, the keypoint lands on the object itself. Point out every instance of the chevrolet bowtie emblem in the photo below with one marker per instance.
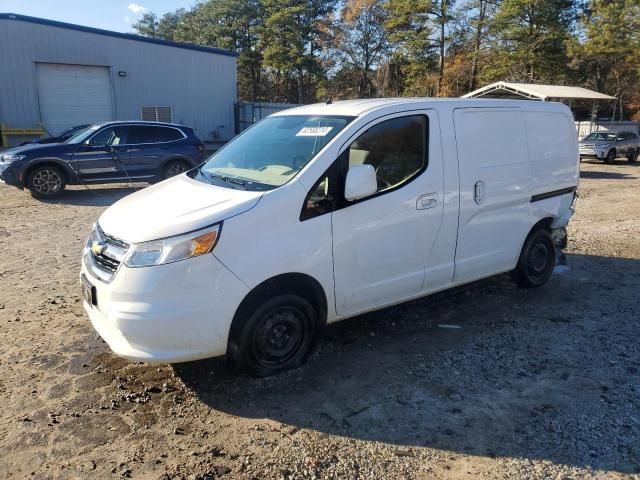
(98, 247)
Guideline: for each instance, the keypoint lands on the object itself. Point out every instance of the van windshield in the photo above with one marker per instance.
(270, 153)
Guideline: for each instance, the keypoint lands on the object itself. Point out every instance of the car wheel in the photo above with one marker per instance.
(175, 167)
(633, 156)
(45, 182)
(277, 336)
(537, 260)
(611, 156)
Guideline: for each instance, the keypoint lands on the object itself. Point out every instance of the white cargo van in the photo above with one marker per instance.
(323, 212)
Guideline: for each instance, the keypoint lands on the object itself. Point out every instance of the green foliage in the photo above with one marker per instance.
(530, 40)
(300, 51)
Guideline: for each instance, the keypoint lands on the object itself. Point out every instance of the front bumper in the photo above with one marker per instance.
(10, 175)
(593, 152)
(169, 313)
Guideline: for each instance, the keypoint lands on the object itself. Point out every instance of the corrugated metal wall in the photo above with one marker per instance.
(199, 86)
(251, 112)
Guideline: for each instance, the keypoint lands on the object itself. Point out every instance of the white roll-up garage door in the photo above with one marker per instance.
(72, 95)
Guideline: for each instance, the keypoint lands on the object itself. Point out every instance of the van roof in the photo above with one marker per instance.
(362, 106)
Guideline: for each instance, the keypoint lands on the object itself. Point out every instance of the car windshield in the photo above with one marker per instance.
(81, 135)
(601, 136)
(70, 132)
(272, 152)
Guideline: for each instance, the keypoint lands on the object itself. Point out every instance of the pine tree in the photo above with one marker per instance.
(530, 40)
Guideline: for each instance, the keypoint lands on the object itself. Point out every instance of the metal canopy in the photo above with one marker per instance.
(536, 92)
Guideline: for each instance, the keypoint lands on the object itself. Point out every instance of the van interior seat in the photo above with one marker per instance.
(357, 156)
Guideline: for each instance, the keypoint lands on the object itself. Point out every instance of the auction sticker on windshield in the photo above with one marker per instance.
(314, 131)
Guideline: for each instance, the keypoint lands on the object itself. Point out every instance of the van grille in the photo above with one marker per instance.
(106, 263)
(110, 258)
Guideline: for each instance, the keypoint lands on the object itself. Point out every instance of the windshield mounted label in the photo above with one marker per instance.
(314, 131)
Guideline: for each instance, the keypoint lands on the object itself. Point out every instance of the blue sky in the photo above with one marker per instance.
(115, 15)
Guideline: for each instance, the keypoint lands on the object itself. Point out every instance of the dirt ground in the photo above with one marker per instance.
(533, 384)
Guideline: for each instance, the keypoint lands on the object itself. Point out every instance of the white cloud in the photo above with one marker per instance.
(127, 19)
(136, 8)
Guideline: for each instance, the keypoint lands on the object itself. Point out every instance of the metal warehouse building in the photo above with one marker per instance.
(56, 75)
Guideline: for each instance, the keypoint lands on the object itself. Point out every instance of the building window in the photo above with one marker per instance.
(157, 114)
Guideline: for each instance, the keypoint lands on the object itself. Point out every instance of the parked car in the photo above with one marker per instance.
(63, 137)
(103, 153)
(324, 212)
(608, 146)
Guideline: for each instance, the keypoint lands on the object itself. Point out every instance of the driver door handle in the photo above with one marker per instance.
(429, 200)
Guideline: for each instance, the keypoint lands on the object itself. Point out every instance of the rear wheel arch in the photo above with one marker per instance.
(544, 223)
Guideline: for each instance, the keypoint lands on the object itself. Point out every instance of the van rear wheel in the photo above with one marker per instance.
(537, 260)
(276, 336)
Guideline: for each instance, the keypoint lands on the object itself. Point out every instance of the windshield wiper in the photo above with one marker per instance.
(224, 178)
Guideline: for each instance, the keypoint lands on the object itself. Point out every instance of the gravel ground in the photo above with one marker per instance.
(530, 384)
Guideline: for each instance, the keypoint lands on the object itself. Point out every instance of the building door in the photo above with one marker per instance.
(71, 95)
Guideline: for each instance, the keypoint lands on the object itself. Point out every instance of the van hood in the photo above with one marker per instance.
(173, 207)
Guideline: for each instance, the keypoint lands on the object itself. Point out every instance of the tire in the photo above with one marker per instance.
(174, 167)
(611, 156)
(633, 156)
(46, 182)
(276, 336)
(537, 260)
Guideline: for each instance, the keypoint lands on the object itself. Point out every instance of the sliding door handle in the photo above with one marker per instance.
(478, 192)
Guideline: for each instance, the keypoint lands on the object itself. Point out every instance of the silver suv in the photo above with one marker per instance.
(608, 146)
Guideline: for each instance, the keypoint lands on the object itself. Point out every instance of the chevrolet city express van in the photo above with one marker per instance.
(323, 212)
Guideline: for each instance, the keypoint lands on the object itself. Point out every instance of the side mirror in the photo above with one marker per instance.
(620, 139)
(361, 182)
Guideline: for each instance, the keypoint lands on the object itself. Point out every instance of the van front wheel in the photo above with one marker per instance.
(277, 336)
(537, 260)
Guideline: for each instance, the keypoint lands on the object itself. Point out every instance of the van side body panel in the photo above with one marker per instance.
(495, 190)
(383, 244)
(280, 243)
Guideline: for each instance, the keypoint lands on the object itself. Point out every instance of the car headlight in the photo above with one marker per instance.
(8, 158)
(173, 249)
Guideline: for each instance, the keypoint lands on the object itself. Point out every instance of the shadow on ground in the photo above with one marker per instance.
(95, 195)
(548, 374)
(626, 169)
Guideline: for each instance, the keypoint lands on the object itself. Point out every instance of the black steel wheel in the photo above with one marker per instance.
(633, 156)
(277, 336)
(537, 260)
(611, 156)
(175, 167)
(45, 182)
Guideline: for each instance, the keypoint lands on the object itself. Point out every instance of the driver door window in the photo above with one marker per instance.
(395, 148)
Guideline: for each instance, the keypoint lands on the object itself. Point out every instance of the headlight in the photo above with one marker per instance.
(173, 249)
(12, 158)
